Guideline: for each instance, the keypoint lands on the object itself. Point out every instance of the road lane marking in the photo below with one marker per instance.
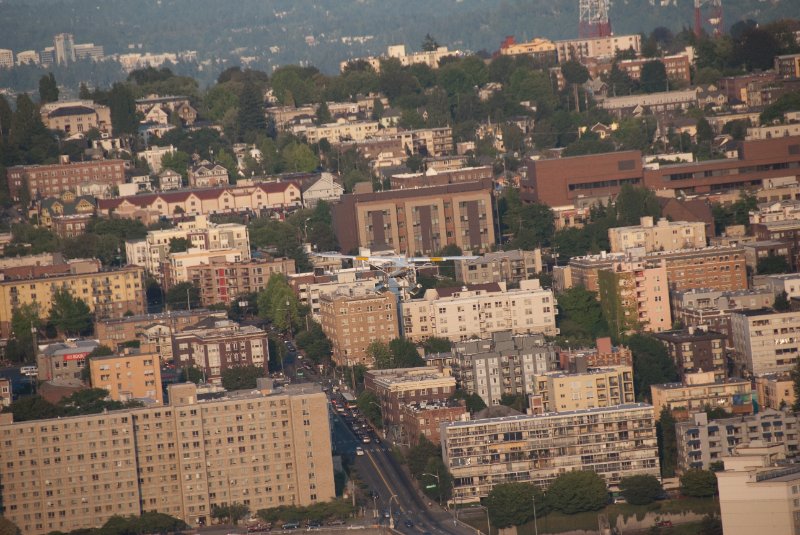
(380, 474)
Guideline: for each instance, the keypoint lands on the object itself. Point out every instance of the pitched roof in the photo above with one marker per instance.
(65, 111)
(183, 194)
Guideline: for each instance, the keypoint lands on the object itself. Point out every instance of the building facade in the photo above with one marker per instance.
(775, 391)
(712, 309)
(696, 349)
(596, 388)
(53, 180)
(64, 362)
(765, 341)
(76, 117)
(114, 332)
(700, 391)
(128, 376)
(614, 442)
(224, 282)
(510, 267)
(424, 419)
(659, 236)
(263, 449)
(634, 294)
(480, 310)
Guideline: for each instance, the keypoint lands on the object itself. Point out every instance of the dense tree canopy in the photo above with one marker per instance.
(577, 491)
(511, 504)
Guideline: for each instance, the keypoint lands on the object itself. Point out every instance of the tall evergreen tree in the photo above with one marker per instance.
(48, 88)
(123, 109)
(5, 117)
(84, 93)
(251, 116)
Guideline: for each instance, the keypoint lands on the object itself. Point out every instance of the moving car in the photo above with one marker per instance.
(359, 450)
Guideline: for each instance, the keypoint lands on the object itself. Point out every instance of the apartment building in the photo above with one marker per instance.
(309, 287)
(510, 267)
(702, 442)
(502, 364)
(427, 141)
(614, 442)
(775, 391)
(788, 66)
(76, 117)
(696, 349)
(200, 234)
(354, 318)
(701, 390)
(634, 294)
(263, 448)
(661, 236)
(208, 175)
(422, 220)
(597, 387)
(433, 177)
(108, 293)
(221, 281)
(342, 131)
(424, 419)
(128, 376)
(596, 47)
(480, 310)
(785, 232)
(153, 157)
(604, 355)
(543, 50)
(678, 67)
(398, 387)
(52, 180)
(114, 332)
(63, 362)
(704, 307)
(6, 58)
(214, 345)
(6, 393)
(757, 493)
(174, 269)
(430, 58)
(255, 198)
(765, 341)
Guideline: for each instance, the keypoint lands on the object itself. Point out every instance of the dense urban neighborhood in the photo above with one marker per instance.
(550, 288)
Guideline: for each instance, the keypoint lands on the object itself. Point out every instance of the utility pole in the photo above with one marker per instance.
(188, 301)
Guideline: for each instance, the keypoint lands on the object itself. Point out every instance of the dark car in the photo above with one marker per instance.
(408, 524)
(290, 525)
(313, 524)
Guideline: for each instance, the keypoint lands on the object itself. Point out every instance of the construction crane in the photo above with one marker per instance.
(593, 18)
(714, 11)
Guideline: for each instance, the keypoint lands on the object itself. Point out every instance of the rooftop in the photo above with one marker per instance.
(582, 412)
(718, 382)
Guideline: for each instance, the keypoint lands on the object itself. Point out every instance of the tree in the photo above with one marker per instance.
(178, 161)
(233, 512)
(435, 344)
(323, 113)
(580, 317)
(653, 78)
(651, 364)
(415, 163)
(250, 116)
(473, 401)
(633, 203)
(577, 491)
(299, 158)
(640, 489)
(48, 88)
(781, 303)
(515, 401)
(183, 296)
(699, 483)
(123, 110)
(242, 377)
(7, 527)
(575, 74)
(419, 455)
(404, 354)
(710, 525)
(314, 343)
(369, 405)
(379, 353)
(532, 225)
(278, 304)
(667, 442)
(70, 315)
(24, 319)
(179, 245)
(429, 44)
(33, 408)
(510, 504)
(771, 265)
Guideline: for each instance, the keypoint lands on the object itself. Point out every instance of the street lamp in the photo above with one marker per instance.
(535, 520)
(488, 522)
(438, 485)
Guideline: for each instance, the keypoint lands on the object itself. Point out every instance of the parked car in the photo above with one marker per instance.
(290, 525)
(359, 450)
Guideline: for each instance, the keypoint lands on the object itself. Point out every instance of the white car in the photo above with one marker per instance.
(359, 450)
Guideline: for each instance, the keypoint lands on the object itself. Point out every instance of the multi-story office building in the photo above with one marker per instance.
(114, 332)
(660, 236)
(502, 364)
(76, 116)
(703, 307)
(702, 442)
(263, 448)
(634, 295)
(353, 318)
(614, 442)
(52, 180)
(502, 266)
(129, 375)
(200, 234)
(223, 282)
(595, 388)
(422, 220)
(775, 391)
(756, 493)
(397, 387)
(480, 310)
(700, 391)
(108, 293)
(425, 419)
(215, 345)
(696, 349)
(765, 341)
(64, 361)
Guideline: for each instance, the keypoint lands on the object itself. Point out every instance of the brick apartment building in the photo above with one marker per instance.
(265, 448)
(711, 309)
(422, 220)
(696, 349)
(426, 418)
(113, 332)
(44, 181)
(223, 282)
(214, 345)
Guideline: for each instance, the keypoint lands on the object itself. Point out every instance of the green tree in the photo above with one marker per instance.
(795, 375)
(532, 225)
(404, 354)
(781, 303)
(419, 455)
(178, 161)
(323, 115)
(370, 407)
(640, 489)
(651, 364)
(24, 319)
(183, 296)
(279, 304)
(699, 484)
(70, 315)
(633, 203)
(653, 78)
(429, 44)
(473, 401)
(415, 163)
(250, 115)
(242, 377)
(48, 88)
(7, 527)
(435, 344)
(772, 265)
(123, 109)
(576, 75)
(667, 442)
(299, 158)
(510, 504)
(32, 408)
(314, 343)
(580, 317)
(179, 245)
(515, 401)
(233, 513)
(577, 491)
(379, 353)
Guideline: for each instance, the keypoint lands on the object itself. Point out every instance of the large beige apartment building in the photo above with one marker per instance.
(596, 47)
(52, 180)
(263, 448)
(222, 281)
(701, 390)
(615, 442)
(354, 318)
(660, 236)
(775, 391)
(765, 341)
(596, 388)
(128, 376)
(342, 131)
(76, 117)
(634, 294)
(108, 293)
(480, 310)
(501, 266)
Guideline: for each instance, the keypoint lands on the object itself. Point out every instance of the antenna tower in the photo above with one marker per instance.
(714, 13)
(593, 18)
